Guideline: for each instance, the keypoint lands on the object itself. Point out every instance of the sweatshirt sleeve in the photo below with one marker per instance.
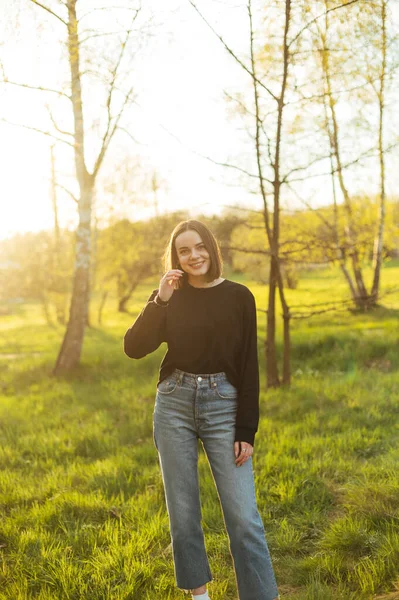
(247, 419)
(148, 331)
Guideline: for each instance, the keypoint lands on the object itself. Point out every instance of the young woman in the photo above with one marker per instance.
(208, 389)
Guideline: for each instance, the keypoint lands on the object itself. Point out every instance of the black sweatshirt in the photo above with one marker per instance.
(208, 330)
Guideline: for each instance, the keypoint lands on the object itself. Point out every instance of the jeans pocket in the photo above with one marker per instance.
(225, 389)
(167, 385)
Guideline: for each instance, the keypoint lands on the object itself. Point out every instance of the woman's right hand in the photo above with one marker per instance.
(166, 285)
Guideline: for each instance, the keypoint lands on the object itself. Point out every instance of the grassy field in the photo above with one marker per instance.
(81, 496)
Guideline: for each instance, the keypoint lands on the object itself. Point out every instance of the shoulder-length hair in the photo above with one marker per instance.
(171, 260)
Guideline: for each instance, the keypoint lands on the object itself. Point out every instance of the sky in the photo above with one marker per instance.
(180, 111)
(179, 118)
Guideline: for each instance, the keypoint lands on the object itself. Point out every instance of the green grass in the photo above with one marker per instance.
(83, 509)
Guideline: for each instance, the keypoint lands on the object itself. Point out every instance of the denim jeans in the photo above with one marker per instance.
(189, 407)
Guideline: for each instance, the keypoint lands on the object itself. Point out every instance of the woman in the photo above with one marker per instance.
(208, 389)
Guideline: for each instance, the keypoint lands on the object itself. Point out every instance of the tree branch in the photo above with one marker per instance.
(47, 133)
(367, 154)
(109, 133)
(229, 166)
(302, 168)
(97, 35)
(246, 250)
(68, 192)
(258, 127)
(215, 162)
(252, 210)
(130, 135)
(317, 18)
(230, 51)
(311, 208)
(88, 13)
(37, 88)
(332, 93)
(50, 11)
(55, 124)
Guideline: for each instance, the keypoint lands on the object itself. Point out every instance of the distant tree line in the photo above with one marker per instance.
(38, 266)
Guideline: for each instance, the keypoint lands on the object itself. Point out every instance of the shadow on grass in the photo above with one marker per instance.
(378, 312)
(345, 352)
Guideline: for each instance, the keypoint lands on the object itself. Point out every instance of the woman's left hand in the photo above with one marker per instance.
(246, 451)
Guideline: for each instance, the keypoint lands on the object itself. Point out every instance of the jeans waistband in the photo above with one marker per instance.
(199, 377)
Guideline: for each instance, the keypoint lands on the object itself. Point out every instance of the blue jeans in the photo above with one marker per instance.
(190, 406)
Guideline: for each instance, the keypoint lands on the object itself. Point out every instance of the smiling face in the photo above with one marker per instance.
(193, 256)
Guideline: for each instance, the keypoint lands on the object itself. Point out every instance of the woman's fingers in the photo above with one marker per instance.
(166, 284)
(170, 278)
(242, 451)
(175, 274)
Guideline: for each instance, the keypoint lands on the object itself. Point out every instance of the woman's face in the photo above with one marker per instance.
(192, 254)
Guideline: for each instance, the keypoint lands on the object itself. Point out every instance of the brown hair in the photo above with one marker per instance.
(171, 260)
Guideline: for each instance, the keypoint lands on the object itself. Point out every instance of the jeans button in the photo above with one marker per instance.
(199, 378)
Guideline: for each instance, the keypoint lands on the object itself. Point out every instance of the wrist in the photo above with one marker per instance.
(158, 300)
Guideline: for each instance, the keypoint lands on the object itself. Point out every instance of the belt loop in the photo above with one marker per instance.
(212, 381)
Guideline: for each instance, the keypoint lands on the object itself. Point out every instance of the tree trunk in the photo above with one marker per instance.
(276, 278)
(340, 252)
(93, 260)
(46, 310)
(71, 347)
(122, 303)
(88, 323)
(359, 293)
(348, 279)
(59, 305)
(287, 347)
(58, 295)
(377, 259)
(271, 357)
(101, 307)
(286, 335)
(124, 299)
(362, 298)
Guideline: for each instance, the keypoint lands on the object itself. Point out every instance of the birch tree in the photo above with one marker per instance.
(98, 44)
(378, 88)
(369, 73)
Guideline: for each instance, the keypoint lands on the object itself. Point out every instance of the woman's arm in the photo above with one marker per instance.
(247, 419)
(148, 331)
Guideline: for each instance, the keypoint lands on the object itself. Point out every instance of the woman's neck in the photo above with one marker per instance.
(199, 282)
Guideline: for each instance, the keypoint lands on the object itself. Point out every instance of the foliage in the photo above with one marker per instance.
(33, 268)
(308, 239)
(223, 227)
(130, 252)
